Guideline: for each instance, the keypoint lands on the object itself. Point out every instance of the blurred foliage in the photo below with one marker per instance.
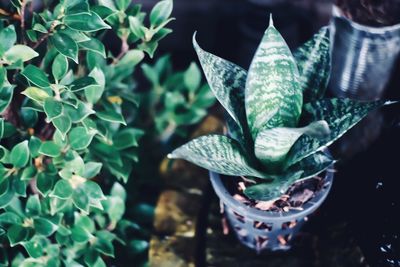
(176, 101)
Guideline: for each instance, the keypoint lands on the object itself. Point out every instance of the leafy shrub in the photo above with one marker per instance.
(66, 125)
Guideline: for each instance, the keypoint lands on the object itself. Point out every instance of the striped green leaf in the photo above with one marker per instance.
(273, 97)
(226, 80)
(272, 145)
(216, 153)
(313, 61)
(340, 114)
(272, 190)
(305, 169)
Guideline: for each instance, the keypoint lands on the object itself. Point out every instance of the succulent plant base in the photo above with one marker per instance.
(270, 225)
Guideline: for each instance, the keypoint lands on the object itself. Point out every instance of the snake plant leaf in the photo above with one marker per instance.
(312, 165)
(234, 131)
(272, 190)
(272, 145)
(340, 114)
(226, 80)
(313, 61)
(216, 153)
(272, 85)
(305, 169)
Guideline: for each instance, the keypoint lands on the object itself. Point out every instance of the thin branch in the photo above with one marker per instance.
(124, 49)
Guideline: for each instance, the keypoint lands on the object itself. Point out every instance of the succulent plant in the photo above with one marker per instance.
(279, 123)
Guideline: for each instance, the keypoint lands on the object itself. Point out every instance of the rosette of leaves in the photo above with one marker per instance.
(177, 99)
(65, 126)
(279, 123)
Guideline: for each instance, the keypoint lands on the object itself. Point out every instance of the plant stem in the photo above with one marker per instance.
(124, 49)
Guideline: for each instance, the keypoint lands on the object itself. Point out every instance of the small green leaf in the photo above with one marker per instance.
(62, 124)
(115, 207)
(52, 108)
(81, 199)
(50, 149)
(93, 93)
(137, 27)
(93, 190)
(6, 94)
(128, 137)
(8, 37)
(39, 28)
(62, 190)
(36, 94)
(79, 113)
(79, 138)
(44, 183)
(34, 247)
(92, 169)
(94, 45)
(118, 190)
(104, 246)
(80, 234)
(111, 116)
(34, 145)
(131, 58)
(82, 83)
(10, 217)
(192, 77)
(19, 155)
(17, 234)
(216, 153)
(44, 227)
(59, 67)
(65, 45)
(20, 53)
(161, 12)
(36, 76)
(33, 207)
(85, 22)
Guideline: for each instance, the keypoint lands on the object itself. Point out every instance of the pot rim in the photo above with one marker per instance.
(370, 29)
(260, 215)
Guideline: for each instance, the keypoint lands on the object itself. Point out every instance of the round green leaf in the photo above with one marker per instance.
(20, 53)
(44, 227)
(59, 67)
(63, 124)
(62, 190)
(79, 138)
(160, 12)
(85, 22)
(65, 45)
(50, 149)
(52, 108)
(19, 155)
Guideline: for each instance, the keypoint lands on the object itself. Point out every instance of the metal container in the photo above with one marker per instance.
(265, 230)
(363, 57)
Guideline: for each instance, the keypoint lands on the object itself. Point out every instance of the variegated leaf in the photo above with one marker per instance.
(226, 80)
(313, 61)
(305, 169)
(272, 145)
(216, 153)
(272, 190)
(273, 96)
(340, 114)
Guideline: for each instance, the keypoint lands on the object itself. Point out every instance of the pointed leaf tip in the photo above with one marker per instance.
(271, 21)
